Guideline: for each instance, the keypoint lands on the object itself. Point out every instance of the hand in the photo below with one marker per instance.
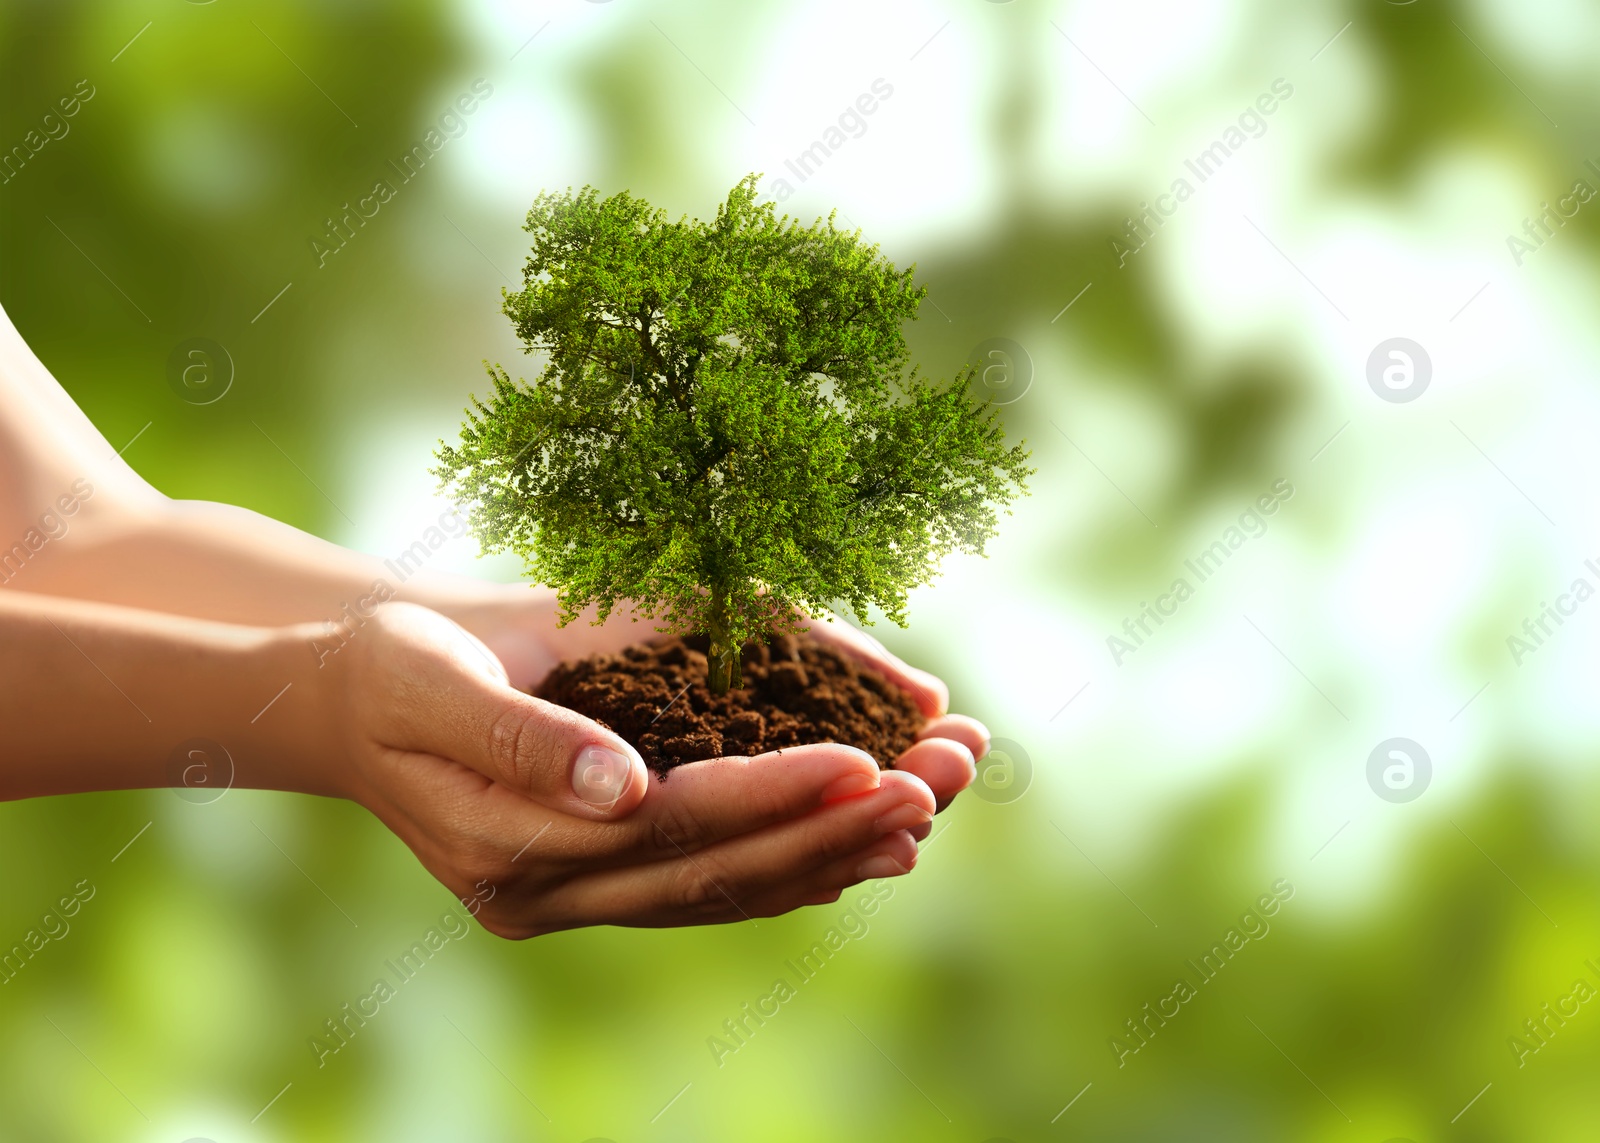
(541, 820)
(948, 746)
(521, 631)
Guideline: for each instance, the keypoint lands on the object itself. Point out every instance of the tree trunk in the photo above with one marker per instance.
(723, 658)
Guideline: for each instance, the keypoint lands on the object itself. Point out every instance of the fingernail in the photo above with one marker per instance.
(849, 786)
(880, 866)
(601, 776)
(902, 817)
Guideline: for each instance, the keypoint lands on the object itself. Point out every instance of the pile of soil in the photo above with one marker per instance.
(796, 691)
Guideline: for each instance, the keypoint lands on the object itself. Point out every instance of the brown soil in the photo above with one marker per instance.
(796, 691)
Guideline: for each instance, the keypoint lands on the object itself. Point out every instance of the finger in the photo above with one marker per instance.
(454, 819)
(506, 836)
(893, 856)
(931, 695)
(701, 803)
(489, 661)
(968, 731)
(447, 702)
(827, 897)
(523, 654)
(722, 879)
(946, 765)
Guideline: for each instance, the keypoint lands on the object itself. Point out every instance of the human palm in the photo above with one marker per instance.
(541, 820)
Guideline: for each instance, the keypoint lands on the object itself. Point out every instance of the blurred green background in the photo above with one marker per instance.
(1142, 801)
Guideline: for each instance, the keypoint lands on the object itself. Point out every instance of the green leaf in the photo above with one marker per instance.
(726, 430)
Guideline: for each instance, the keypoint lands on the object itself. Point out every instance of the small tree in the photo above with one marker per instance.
(724, 431)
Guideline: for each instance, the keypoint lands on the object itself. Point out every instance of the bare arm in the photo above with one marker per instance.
(536, 818)
(94, 697)
(131, 625)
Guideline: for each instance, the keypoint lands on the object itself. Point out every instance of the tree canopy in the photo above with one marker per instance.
(725, 430)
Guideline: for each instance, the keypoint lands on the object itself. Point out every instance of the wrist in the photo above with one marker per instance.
(297, 739)
(98, 697)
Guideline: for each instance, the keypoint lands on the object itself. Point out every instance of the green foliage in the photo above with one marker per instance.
(726, 430)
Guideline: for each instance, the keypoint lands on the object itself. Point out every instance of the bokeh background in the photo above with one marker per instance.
(1140, 803)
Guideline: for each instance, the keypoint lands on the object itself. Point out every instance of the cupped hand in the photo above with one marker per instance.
(542, 820)
(523, 635)
(948, 746)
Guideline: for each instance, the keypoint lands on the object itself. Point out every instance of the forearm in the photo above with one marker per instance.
(228, 564)
(95, 697)
(77, 522)
(224, 563)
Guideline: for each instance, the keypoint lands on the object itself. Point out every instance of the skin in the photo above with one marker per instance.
(143, 622)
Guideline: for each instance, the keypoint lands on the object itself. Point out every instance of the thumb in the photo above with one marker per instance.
(454, 702)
